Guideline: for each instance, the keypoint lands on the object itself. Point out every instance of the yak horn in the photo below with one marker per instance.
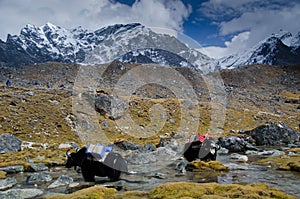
(67, 153)
(75, 146)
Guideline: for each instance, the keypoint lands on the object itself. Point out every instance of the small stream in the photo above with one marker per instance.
(145, 181)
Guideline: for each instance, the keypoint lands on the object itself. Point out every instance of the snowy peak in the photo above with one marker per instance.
(284, 36)
(53, 43)
(295, 41)
(279, 49)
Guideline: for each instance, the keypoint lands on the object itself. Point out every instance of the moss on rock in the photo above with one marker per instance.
(2, 174)
(95, 192)
(215, 190)
(204, 166)
(185, 190)
(288, 161)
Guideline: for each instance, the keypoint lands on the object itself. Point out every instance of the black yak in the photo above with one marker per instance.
(111, 166)
(203, 148)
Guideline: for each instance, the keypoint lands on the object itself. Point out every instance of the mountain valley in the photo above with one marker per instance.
(126, 84)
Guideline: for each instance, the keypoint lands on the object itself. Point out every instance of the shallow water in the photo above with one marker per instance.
(145, 181)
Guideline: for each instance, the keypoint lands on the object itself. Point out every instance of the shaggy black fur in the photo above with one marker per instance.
(111, 167)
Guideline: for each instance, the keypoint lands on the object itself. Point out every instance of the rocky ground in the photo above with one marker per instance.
(41, 115)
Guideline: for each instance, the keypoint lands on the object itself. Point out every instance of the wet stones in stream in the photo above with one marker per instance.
(38, 178)
(20, 193)
(7, 183)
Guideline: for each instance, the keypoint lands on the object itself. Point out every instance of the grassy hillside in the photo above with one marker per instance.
(38, 107)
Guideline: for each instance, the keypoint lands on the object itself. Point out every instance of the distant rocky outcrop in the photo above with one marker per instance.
(155, 56)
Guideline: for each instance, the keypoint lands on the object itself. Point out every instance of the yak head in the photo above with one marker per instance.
(75, 158)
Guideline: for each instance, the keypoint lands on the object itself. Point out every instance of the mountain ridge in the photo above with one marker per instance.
(55, 44)
(51, 43)
(279, 49)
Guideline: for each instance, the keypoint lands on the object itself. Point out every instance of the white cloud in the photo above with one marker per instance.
(257, 18)
(237, 44)
(91, 14)
(220, 9)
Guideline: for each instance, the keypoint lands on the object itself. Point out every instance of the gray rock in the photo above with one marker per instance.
(235, 144)
(30, 93)
(164, 140)
(7, 183)
(174, 145)
(37, 178)
(20, 193)
(29, 160)
(272, 134)
(9, 143)
(13, 169)
(180, 166)
(149, 147)
(113, 106)
(125, 145)
(61, 181)
(37, 167)
(223, 151)
(172, 121)
(68, 145)
(239, 157)
(234, 166)
(139, 158)
(105, 123)
(165, 153)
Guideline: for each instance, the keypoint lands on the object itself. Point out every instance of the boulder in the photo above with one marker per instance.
(20, 193)
(125, 145)
(109, 105)
(61, 181)
(160, 154)
(37, 167)
(148, 147)
(140, 158)
(235, 144)
(9, 143)
(7, 183)
(239, 157)
(37, 178)
(66, 145)
(13, 169)
(273, 134)
(181, 166)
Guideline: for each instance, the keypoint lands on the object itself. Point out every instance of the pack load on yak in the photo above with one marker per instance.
(97, 160)
(98, 151)
(200, 146)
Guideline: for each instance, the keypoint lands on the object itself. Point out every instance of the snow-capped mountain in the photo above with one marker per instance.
(79, 45)
(278, 49)
(155, 56)
(140, 37)
(128, 42)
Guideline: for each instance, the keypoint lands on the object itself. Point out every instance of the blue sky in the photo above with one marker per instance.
(220, 27)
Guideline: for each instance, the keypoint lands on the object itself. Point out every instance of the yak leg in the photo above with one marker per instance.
(88, 175)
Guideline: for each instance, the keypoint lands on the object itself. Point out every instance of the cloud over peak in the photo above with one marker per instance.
(91, 14)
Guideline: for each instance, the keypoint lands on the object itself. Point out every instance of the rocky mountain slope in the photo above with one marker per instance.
(279, 49)
(54, 43)
(155, 56)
